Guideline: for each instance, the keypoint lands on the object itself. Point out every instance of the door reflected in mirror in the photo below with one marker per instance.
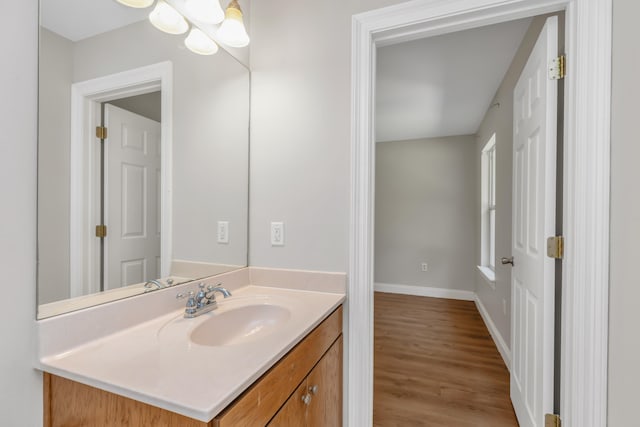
(164, 194)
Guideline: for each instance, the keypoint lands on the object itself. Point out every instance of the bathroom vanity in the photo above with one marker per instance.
(266, 356)
(303, 388)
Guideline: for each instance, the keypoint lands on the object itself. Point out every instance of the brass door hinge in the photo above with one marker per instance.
(557, 68)
(101, 231)
(551, 420)
(101, 132)
(555, 247)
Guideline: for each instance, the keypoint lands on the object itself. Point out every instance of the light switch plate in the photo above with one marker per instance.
(223, 231)
(277, 234)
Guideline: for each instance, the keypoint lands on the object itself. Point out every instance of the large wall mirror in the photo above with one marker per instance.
(161, 197)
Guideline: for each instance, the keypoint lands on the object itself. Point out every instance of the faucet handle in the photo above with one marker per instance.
(182, 295)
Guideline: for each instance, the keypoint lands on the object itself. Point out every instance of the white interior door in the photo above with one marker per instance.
(132, 198)
(534, 193)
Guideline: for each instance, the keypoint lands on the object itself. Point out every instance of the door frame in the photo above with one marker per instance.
(86, 97)
(586, 177)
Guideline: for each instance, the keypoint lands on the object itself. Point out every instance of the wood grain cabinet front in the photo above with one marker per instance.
(304, 388)
(317, 402)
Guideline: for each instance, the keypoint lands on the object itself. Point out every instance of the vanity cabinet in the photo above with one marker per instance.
(317, 402)
(304, 388)
(317, 360)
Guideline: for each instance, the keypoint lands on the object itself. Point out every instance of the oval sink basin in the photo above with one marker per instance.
(240, 325)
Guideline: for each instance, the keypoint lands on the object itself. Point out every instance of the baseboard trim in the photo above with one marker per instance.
(503, 349)
(424, 291)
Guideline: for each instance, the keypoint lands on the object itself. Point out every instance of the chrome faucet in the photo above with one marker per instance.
(149, 285)
(203, 301)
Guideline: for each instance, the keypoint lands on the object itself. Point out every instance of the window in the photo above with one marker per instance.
(488, 213)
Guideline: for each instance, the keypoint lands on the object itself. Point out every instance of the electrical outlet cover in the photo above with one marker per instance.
(277, 234)
(223, 231)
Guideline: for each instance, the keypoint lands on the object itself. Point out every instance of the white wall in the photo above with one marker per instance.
(624, 316)
(20, 384)
(499, 120)
(300, 130)
(53, 163)
(425, 212)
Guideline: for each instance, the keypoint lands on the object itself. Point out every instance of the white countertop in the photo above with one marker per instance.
(156, 363)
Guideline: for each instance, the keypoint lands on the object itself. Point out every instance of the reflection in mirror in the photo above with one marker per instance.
(162, 198)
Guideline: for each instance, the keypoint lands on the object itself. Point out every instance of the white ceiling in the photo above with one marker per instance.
(78, 19)
(442, 86)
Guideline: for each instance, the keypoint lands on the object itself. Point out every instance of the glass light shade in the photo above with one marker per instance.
(207, 11)
(138, 4)
(199, 43)
(232, 31)
(167, 19)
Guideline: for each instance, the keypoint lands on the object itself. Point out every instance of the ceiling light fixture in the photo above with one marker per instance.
(138, 4)
(207, 11)
(198, 42)
(232, 31)
(167, 19)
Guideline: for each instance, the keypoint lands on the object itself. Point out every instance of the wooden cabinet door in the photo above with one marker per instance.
(317, 402)
(324, 384)
(293, 412)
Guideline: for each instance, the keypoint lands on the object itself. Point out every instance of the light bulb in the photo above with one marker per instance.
(232, 31)
(207, 11)
(138, 4)
(167, 19)
(199, 43)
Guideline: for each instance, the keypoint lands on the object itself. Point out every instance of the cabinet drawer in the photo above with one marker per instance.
(260, 402)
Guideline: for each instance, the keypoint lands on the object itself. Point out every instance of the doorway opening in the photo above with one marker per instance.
(585, 178)
(444, 198)
(88, 252)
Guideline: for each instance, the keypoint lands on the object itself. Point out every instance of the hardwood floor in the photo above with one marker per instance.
(435, 364)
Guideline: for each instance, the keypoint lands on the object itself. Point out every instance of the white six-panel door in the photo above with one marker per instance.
(534, 192)
(132, 198)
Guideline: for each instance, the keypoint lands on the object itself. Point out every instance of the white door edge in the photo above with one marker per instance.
(585, 180)
(535, 100)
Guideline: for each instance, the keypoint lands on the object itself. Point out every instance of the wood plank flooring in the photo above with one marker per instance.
(435, 364)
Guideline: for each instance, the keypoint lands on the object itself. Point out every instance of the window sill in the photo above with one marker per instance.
(488, 275)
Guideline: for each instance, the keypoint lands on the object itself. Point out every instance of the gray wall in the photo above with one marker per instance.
(425, 212)
(148, 105)
(300, 130)
(20, 384)
(53, 164)
(499, 120)
(624, 315)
